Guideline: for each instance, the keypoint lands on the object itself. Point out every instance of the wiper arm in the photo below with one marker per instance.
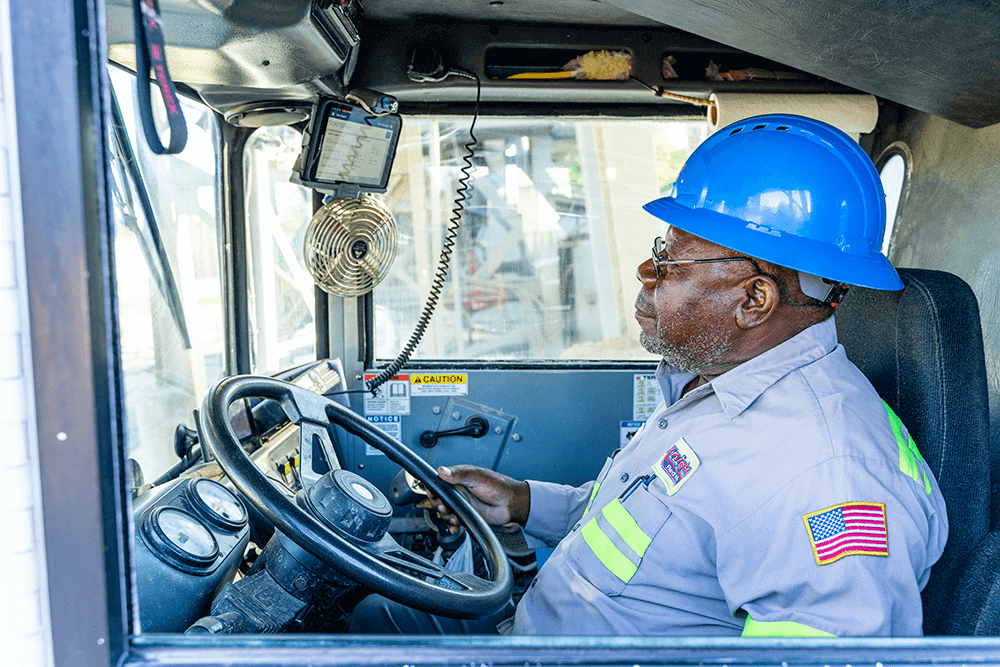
(164, 277)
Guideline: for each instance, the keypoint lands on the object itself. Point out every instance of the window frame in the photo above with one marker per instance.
(902, 150)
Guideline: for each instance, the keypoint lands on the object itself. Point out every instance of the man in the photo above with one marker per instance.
(772, 492)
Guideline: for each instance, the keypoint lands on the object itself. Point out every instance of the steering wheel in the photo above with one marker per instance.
(376, 561)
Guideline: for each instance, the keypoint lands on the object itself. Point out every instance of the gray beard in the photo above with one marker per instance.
(702, 352)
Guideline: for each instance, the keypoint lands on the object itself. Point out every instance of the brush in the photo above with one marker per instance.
(597, 65)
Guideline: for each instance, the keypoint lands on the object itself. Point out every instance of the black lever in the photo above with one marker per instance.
(475, 427)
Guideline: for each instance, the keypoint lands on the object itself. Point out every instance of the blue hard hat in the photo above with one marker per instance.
(789, 190)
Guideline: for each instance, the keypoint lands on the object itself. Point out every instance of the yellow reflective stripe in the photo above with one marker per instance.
(780, 629)
(622, 521)
(916, 452)
(593, 494)
(909, 455)
(907, 462)
(611, 557)
(913, 448)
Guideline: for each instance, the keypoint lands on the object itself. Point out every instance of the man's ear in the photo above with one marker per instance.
(759, 301)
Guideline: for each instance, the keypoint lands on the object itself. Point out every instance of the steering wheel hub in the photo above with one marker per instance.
(351, 505)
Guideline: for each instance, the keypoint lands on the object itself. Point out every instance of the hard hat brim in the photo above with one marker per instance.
(865, 269)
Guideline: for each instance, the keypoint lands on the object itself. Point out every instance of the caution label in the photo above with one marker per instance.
(439, 384)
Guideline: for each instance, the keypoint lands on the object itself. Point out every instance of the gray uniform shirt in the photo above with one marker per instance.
(785, 490)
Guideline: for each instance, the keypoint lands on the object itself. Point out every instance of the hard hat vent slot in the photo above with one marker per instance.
(760, 127)
(737, 130)
(782, 127)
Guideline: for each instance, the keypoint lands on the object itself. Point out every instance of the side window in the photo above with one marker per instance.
(282, 301)
(894, 167)
(552, 232)
(168, 287)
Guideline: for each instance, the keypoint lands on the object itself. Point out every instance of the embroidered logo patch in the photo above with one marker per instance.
(847, 529)
(676, 466)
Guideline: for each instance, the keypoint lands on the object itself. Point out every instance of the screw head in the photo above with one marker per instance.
(516, 437)
(456, 415)
(498, 430)
(436, 409)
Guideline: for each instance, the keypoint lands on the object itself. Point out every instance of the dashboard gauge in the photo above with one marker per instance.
(217, 504)
(180, 538)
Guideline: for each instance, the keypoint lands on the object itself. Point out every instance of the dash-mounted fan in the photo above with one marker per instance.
(350, 245)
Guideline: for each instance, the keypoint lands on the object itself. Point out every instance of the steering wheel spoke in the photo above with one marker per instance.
(390, 552)
(468, 581)
(404, 559)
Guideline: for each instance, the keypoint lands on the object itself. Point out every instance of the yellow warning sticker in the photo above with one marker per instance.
(439, 384)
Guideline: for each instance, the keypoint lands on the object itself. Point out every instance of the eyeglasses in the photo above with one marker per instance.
(659, 262)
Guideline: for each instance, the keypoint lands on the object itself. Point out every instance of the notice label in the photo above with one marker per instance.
(439, 384)
(646, 395)
(391, 424)
(628, 430)
(393, 397)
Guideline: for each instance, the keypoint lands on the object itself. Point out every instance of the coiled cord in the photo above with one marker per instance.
(451, 233)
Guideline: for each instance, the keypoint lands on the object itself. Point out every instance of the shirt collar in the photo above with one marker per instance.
(738, 388)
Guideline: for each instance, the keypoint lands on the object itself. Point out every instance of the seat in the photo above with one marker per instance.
(922, 349)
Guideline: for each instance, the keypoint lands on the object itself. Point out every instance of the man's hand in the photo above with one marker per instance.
(498, 499)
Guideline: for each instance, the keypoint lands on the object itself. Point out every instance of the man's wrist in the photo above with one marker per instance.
(520, 505)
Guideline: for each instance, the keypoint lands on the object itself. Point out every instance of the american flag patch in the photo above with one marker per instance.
(847, 529)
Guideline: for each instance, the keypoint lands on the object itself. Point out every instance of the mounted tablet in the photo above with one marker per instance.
(347, 150)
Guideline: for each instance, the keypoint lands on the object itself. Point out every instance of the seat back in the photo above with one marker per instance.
(922, 349)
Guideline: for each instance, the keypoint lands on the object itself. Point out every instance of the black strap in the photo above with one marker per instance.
(150, 54)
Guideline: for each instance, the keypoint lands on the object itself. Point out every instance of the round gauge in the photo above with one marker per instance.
(219, 505)
(180, 538)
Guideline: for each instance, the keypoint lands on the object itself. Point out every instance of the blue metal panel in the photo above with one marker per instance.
(566, 423)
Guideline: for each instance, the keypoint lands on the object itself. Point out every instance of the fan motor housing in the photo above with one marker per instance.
(359, 249)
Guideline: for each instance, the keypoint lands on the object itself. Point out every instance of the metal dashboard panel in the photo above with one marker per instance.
(565, 423)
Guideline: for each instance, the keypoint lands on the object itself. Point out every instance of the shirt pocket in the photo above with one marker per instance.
(609, 547)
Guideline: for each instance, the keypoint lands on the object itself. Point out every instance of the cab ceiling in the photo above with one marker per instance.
(939, 56)
(569, 12)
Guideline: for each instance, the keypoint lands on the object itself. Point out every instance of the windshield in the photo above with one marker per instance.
(544, 264)
(282, 294)
(168, 281)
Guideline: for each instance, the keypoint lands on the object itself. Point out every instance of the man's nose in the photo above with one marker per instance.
(646, 273)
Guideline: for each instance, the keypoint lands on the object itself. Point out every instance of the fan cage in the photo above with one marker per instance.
(350, 245)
